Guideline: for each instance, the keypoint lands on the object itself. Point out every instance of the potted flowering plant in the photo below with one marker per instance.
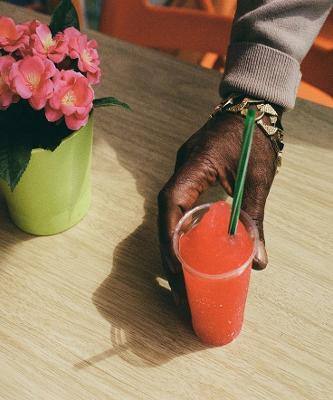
(47, 74)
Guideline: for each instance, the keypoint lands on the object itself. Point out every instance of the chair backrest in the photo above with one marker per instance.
(140, 22)
(317, 67)
(174, 28)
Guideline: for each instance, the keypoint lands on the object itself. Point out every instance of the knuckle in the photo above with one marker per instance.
(209, 169)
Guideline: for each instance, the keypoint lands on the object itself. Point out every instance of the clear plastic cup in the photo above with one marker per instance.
(216, 302)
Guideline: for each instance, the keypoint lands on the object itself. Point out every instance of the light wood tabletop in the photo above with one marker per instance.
(86, 314)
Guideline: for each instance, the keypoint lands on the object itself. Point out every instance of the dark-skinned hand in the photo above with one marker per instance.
(211, 156)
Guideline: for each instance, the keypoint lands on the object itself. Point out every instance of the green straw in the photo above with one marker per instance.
(241, 171)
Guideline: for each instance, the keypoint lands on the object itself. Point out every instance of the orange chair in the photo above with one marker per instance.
(139, 22)
(174, 28)
(317, 68)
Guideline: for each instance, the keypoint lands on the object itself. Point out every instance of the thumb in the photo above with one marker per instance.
(254, 205)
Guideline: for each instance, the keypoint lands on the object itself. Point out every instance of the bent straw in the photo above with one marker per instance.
(241, 171)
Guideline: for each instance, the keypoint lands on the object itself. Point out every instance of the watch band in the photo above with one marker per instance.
(271, 125)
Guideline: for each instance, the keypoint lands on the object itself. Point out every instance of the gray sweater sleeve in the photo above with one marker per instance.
(269, 40)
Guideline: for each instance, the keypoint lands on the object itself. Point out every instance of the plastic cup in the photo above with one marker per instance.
(217, 301)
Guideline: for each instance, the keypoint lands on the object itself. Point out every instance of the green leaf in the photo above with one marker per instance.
(110, 101)
(64, 16)
(14, 159)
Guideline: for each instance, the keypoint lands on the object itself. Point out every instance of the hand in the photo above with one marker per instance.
(211, 155)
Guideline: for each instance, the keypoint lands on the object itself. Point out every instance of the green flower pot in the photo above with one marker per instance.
(54, 192)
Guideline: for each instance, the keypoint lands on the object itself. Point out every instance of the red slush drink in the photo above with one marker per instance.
(216, 269)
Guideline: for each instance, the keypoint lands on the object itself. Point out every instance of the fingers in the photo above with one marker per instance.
(178, 290)
(260, 260)
(254, 201)
(259, 179)
(175, 199)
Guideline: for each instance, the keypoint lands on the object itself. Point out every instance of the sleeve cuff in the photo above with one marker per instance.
(263, 72)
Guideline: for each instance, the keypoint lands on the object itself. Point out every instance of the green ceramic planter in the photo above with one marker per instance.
(54, 193)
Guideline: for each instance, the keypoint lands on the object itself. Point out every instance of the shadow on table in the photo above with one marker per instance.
(10, 235)
(146, 329)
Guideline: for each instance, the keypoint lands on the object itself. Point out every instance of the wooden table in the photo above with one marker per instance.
(86, 314)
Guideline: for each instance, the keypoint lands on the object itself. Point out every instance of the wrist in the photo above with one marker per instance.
(261, 71)
(268, 118)
(278, 108)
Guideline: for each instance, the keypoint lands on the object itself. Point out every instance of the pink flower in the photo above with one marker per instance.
(85, 51)
(7, 96)
(29, 30)
(72, 98)
(12, 37)
(31, 79)
(31, 26)
(45, 45)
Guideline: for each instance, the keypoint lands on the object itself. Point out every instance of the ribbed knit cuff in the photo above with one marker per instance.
(263, 72)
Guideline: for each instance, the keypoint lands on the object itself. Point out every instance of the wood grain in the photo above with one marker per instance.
(86, 314)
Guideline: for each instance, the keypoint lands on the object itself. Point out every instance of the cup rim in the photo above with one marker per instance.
(224, 275)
